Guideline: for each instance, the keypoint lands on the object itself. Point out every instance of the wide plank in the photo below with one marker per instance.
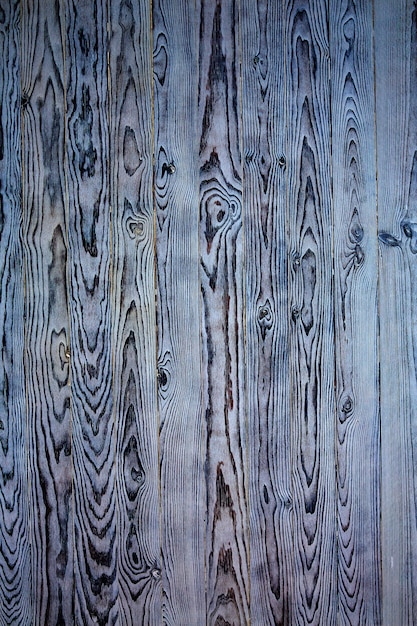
(15, 559)
(311, 301)
(266, 262)
(356, 312)
(93, 430)
(46, 309)
(222, 325)
(396, 126)
(134, 317)
(175, 63)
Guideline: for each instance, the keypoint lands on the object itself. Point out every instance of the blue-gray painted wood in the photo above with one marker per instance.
(208, 386)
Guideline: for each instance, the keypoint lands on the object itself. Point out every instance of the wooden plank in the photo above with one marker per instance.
(266, 261)
(222, 289)
(311, 294)
(396, 123)
(176, 194)
(95, 550)
(47, 322)
(134, 323)
(356, 311)
(15, 561)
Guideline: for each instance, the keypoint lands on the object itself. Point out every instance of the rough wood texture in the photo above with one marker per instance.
(355, 298)
(268, 392)
(176, 194)
(47, 323)
(311, 346)
(87, 154)
(396, 124)
(222, 289)
(208, 235)
(15, 562)
(135, 383)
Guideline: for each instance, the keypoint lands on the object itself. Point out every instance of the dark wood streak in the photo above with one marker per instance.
(91, 343)
(47, 323)
(221, 246)
(135, 388)
(15, 558)
(355, 297)
(312, 352)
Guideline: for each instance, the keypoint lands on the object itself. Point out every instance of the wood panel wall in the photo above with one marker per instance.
(208, 313)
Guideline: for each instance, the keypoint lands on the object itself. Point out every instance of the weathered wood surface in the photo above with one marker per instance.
(396, 127)
(175, 58)
(47, 328)
(355, 301)
(208, 385)
(15, 559)
(91, 346)
(311, 356)
(133, 279)
(222, 290)
(267, 366)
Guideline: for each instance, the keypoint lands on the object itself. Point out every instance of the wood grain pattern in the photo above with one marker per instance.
(208, 236)
(355, 297)
(396, 124)
(176, 194)
(311, 289)
(87, 157)
(222, 289)
(15, 559)
(47, 323)
(134, 323)
(267, 373)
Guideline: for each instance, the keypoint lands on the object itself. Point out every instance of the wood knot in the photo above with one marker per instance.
(282, 161)
(169, 168)
(296, 260)
(265, 317)
(346, 408)
(295, 313)
(389, 240)
(162, 377)
(136, 227)
(156, 573)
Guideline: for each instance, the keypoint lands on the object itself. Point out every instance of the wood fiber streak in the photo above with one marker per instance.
(396, 124)
(87, 158)
(267, 373)
(222, 290)
(47, 323)
(355, 297)
(134, 323)
(311, 346)
(15, 561)
(177, 223)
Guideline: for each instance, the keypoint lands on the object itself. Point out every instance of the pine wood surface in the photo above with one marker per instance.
(355, 301)
(208, 235)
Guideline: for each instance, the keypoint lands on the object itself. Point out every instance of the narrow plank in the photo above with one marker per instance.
(134, 322)
(356, 312)
(176, 195)
(311, 301)
(396, 123)
(87, 158)
(266, 261)
(15, 561)
(222, 289)
(47, 322)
